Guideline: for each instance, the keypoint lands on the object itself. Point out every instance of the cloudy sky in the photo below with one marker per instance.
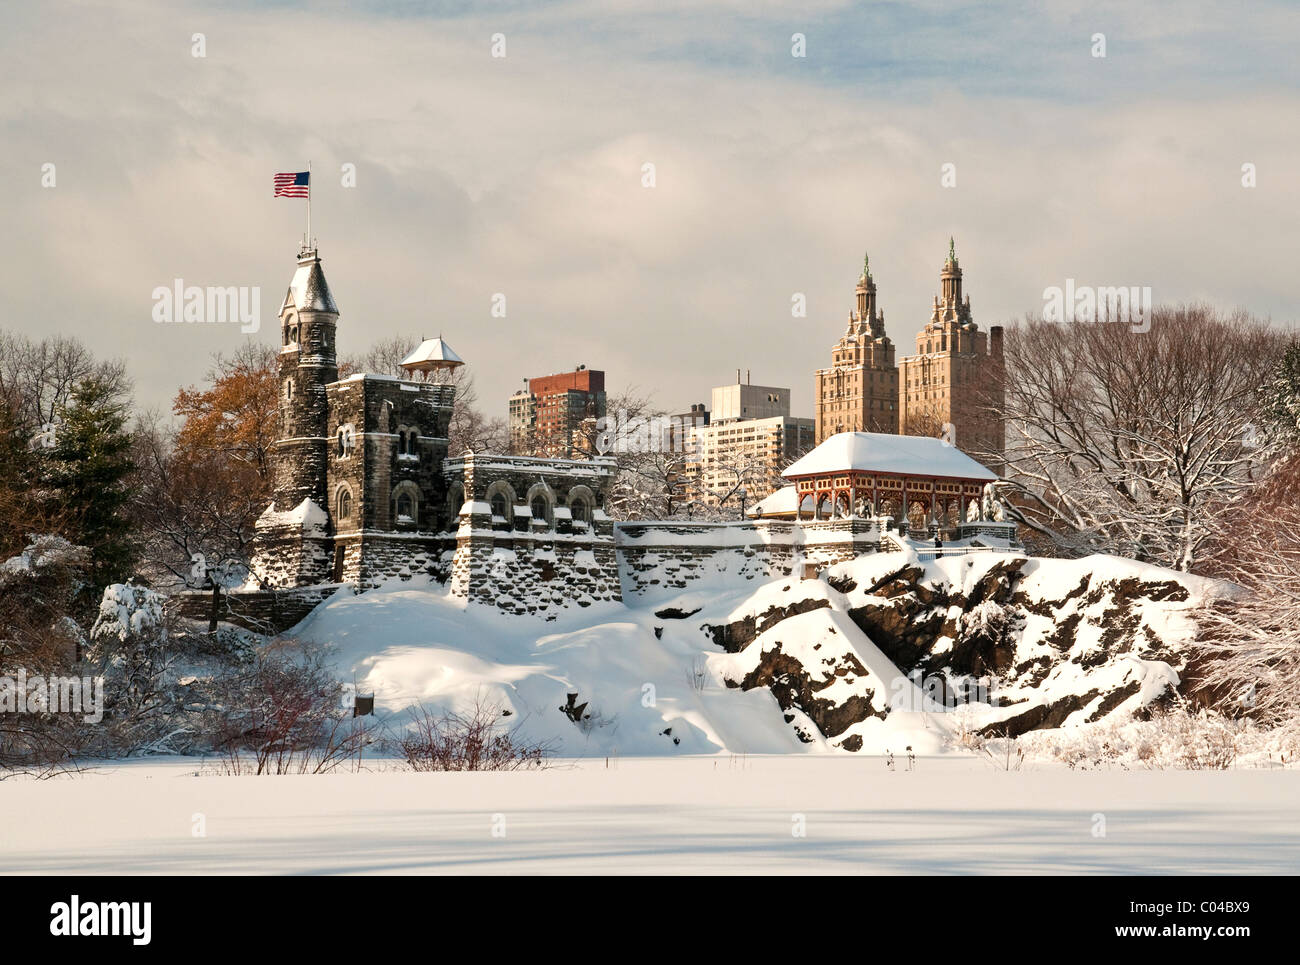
(522, 174)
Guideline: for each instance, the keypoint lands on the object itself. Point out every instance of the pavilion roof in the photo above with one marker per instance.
(880, 452)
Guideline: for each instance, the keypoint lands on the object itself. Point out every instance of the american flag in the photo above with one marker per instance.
(295, 184)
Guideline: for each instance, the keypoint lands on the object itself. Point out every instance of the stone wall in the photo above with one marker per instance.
(671, 556)
(371, 558)
(533, 537)
(292, 548)
(265, 611)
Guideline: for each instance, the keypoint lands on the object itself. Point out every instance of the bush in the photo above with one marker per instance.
(284, 713)
(1174, 738)
(473, 741)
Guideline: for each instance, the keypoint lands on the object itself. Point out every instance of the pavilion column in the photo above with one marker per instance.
(875, 499)
(906, 522)
(853, 499)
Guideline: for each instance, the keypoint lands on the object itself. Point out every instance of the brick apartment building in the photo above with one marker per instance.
(555, 416)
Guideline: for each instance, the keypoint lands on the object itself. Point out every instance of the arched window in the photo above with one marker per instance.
(345, 504)
(405, 508)
(581, 512)
(499, 505)
(288, 388)
(539, 508)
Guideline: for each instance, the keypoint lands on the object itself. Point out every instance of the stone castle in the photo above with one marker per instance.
(951, 386)
(364, 489)
(365, 492)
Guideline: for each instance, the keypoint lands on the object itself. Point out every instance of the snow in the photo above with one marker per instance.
(781, 502)
(126, 611)
(666, 816)
(307, 514)
(308, 291)
(673, 770)
(433, 350)
(885, 453)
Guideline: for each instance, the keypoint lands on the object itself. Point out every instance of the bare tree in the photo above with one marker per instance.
(1129, 442)
(1248, 654)
(40, 375)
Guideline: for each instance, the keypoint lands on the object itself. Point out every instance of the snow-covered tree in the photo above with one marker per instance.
(1131, 442)
(1249, 651)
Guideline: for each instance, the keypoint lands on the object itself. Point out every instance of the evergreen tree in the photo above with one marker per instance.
(88, 475)
(1282, 397)
(16, 474)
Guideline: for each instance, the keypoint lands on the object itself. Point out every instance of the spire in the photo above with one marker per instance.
(309, 292)
(952, 250)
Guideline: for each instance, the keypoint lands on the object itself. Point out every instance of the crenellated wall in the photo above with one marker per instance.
(533, 537)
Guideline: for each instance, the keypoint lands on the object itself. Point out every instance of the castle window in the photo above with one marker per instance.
(288, 388)
(345, 504)
(539, 508)
(405, 508)
(346, 440)
(407, 443)
(499, 506)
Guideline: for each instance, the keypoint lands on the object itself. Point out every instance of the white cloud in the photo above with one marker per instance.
(523, 176)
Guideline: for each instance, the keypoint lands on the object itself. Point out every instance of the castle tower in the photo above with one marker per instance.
(859, 392)
(308, 362)
(951, 387)
(293, 545)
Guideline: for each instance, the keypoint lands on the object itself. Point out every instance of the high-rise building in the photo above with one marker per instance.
(746, 401)
(555, 415)
(859, 392)
(951, 387)
(746, 438)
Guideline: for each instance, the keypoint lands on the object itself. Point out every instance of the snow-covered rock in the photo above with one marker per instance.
(884, 654)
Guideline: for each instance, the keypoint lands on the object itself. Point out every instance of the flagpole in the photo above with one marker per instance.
(309, 204)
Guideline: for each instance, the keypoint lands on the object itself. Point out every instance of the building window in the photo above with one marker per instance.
(288, 388)
(405, 508)
(345, 504)
(499, 506)
(407, 442)
(347, 440)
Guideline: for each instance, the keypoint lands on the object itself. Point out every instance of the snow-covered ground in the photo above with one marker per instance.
(684, 815)
(647, 695)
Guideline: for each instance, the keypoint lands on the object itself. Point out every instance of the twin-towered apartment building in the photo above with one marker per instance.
(950, 388)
